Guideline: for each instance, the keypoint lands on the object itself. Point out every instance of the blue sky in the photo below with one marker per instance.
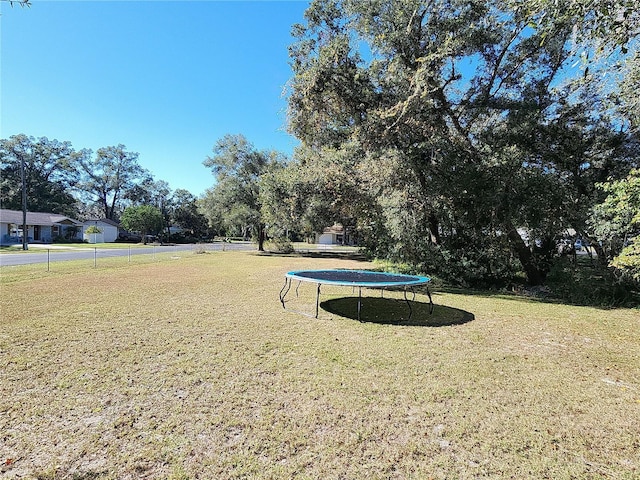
(165, 78)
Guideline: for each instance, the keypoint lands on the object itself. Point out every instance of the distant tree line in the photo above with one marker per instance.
(81, 184)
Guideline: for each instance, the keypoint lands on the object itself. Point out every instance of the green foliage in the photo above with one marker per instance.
(145, 219)
(152, 192)
(185, 213)
(589, 284)
(234, 202)
(612, 23)
(61, 180)
(109, 178)
(616, 222)
(93, 229)
(49, 174)
(318, 189)
(630, 101)
(629, 260)
(621, 208)
(280, 245)
(453, 131)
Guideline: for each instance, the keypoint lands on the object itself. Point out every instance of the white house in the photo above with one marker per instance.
(108, 230)
(335, 235)
(41, 227)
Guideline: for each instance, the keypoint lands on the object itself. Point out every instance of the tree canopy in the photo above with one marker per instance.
(109, 177)
(474, 129)
(616, 222)
(235, 199)
(185, 212)
(145, 219)
(49, 174)
(63, 180)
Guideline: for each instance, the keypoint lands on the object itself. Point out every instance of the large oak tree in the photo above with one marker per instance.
(108, 178)
(477, 126)
(49, 174)
(234, 201)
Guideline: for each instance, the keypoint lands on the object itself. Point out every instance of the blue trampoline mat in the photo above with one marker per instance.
(358, 278)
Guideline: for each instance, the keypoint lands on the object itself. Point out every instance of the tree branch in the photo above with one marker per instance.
(22, 3)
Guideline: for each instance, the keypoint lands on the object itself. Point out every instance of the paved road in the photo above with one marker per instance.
(53, 253)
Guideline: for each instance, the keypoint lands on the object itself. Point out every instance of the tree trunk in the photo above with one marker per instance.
(600, 253)
(535, 276)
(602, 256)
(112, 209)
(261, 237)
(105, 206)
(434, 229)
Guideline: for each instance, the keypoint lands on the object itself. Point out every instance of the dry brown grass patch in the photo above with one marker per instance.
(191, 369)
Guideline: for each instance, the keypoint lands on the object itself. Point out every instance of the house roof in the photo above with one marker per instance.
(36, 218)
(336, 229)
(101, 220)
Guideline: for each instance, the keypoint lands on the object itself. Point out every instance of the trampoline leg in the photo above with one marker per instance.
(409, 303)
(359, 302)
(285, 290)
(317, 300)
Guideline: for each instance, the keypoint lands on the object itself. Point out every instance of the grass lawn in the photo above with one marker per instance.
(191, 369)
(39, 248)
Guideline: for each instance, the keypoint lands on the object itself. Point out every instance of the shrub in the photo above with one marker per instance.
(586, 284)
(93, 229)
(280, 245)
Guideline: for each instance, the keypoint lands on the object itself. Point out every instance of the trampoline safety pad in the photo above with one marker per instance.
(356, 278)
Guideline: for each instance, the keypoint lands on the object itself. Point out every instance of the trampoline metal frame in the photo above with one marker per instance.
(409, 283)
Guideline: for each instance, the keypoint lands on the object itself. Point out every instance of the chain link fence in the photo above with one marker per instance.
(45, 257)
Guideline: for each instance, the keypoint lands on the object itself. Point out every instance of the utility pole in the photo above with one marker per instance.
(25, 232)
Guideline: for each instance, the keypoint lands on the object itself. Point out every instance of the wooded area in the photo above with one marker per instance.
(476, 141)
(467, 139)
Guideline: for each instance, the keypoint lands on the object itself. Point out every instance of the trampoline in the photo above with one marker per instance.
(356, 278)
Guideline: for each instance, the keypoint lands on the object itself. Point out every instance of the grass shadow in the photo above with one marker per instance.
(592, 296)
(393, 311)
(317, 254)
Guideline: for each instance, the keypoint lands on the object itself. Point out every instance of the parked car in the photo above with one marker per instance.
(129, 237)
